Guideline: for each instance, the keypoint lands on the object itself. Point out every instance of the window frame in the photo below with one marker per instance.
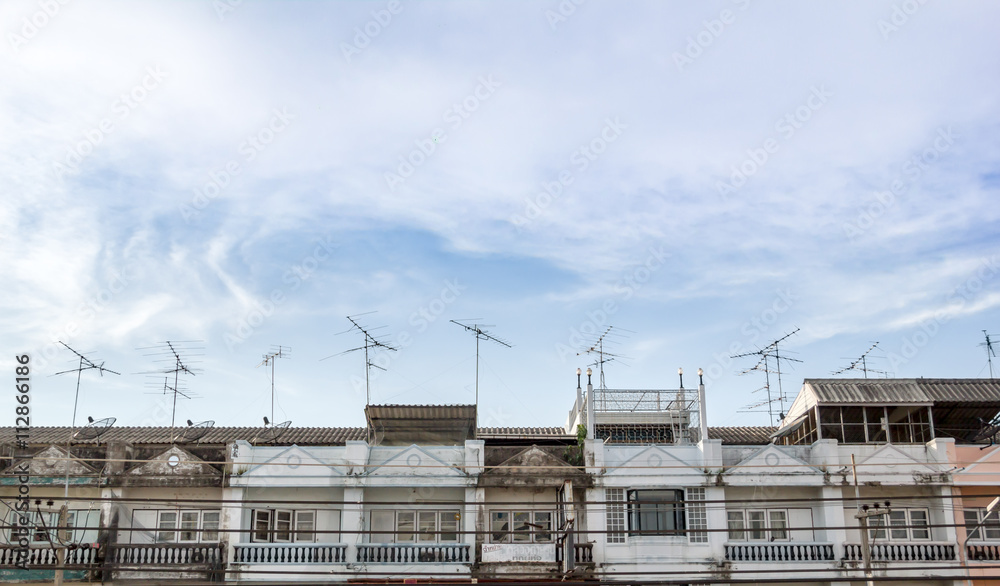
(273, 518)
(979, 531)
(767, 529)
(406, 526)
(538, 531)
(640, 505)
(889, 531)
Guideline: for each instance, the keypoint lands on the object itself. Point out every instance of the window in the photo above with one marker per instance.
(903, 525)
(282, 526)
(187, 526)
(521, 526)
(656, 512)
(858, 425)
(423, 526)
(697, 518)
(615, 514)
(975, 529)
(758, 525)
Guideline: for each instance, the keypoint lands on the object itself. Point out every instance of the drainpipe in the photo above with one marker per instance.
(590, 407)
(702, 410)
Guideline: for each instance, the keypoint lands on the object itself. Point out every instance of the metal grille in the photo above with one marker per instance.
(697, 516)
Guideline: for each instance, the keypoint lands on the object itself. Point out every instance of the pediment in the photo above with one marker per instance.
(990, 460)
(294, 461)
(185, 464)
(891, 459)
(52, 461)
(654, 460)
(533, 460)
(415, 461)
(772, 460)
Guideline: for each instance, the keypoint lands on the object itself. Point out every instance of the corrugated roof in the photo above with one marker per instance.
(742, 436)
(901, 391)
(516, 432)
(329, 436)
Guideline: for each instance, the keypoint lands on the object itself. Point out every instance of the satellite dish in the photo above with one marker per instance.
(95, 429)
(195, 431)
(272, 433)
(988, 431)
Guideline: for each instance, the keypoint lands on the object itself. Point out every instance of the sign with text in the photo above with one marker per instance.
(519, 552)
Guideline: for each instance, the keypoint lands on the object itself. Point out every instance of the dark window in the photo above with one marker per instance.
(656, 512)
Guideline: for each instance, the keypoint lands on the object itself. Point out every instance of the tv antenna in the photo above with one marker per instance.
(371, 343)
(480, 334)
(269, 359)
(174, 354)
(863, 361)
(990, 354)
(84, 364)
(771, 351)
(603, 355)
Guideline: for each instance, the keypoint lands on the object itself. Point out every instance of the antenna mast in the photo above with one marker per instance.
(863, 360)
(170, 352)
(270, 358)
(371, 342)
(480, 334)
(602, 355)
(85, 364)
(771, 351)
(990, 354)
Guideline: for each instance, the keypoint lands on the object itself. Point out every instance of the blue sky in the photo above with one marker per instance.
(703, 176)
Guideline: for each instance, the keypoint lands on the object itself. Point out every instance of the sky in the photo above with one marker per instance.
(701, 177)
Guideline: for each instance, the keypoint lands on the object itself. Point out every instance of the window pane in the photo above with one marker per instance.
(262, 525)
(406, 524)
(876, 527)
(656, 512)
(500, 526)
(449, 525)
(757, 525)
(918, 518)
(168, 520)
(972, 531)
(897, 524)
(543, 527)
(305, 525)
(992, 525)
(428, 526)
(283, 526)
(189, 526)
(615, 514)
(210, 526)
(522, 527)
(779, 524)
(383, 524)
(736, 525)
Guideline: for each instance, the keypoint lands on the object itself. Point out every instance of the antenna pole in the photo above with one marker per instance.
(989, 353)
(69, 441)
(767, 385)
(477, 375)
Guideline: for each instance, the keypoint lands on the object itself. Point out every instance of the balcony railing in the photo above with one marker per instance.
(167, 554)
(654, 400)
(779, 552)
(903, 552)
(583, 553)
(399, 553)
(290, 553)
(45, 556)
(989, 552)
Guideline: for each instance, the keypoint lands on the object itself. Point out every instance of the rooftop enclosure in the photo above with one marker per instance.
(638, 416)
(402, 425)
(859, 411)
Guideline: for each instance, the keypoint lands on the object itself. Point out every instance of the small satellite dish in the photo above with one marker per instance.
(195, 431)
(95, 429)
(988, 431)
(272, 433)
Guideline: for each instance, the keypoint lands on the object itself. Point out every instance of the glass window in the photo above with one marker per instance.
(543, 527)
(522, 526)
(876, 528)
(165, 526)
(898, 525)
(736, 524)
(615, 514)
(210, 526)
(449, 525)
(189, 526)
(757, 523)
(305, 525)
(261, 525)
(656, 512)
(282, 526)
(500, 526)
(383, 523)
(405, 526)
(779, 525)
(427, 523)
(918, 520)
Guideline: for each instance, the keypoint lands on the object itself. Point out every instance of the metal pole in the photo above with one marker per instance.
(866, 554)
(69, 442)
